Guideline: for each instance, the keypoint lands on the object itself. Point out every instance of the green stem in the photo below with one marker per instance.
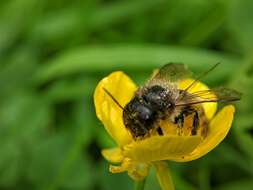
(163, 175)
(139, 185)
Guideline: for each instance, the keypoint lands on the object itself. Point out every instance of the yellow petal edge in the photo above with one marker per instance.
(122, 88)
(113, 155)
(218, 129)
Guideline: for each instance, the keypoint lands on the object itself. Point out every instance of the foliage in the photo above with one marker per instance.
(52, 55)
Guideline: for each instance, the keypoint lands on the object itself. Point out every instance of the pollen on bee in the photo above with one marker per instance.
(169, 128)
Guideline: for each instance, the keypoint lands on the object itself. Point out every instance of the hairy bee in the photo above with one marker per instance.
(161, 99)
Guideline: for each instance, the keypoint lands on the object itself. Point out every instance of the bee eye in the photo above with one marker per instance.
(144, 112)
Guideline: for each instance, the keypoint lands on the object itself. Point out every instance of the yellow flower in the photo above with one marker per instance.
(135, 157)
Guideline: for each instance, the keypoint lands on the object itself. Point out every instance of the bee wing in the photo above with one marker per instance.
(220, 94)
(172, 72)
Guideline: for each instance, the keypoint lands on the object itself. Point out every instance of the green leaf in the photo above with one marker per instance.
(9, 164)
(131, 57)
(240, 22)
(65, 89)
(64, 25)
(23, 120)
(17, 71)
(47, 159)
(232, 156)
(243, 123)
(207, 27)
(245, 184)
(15, 17)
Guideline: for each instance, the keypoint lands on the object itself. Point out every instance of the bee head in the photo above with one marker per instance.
(138, 117)
(139, 110)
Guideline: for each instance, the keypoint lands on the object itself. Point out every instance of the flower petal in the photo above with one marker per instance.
(210, 108)
(113, 155)
(123, 167)
(137, 171)
(122, 89)
(163, 175)
(218, 129)
(161, 148)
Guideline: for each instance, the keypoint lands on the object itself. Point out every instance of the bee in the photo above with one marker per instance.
(160, 99)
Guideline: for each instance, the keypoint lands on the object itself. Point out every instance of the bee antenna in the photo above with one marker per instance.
(201, 76)
(114, 99)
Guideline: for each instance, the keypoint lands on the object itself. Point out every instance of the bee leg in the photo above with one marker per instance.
(180, 121)
(195, 123)
(159, 131)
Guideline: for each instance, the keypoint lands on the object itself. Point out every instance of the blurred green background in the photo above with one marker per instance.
(52, 55)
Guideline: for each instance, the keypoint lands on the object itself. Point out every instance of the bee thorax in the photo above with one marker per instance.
(143, 113)
(158, 98)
